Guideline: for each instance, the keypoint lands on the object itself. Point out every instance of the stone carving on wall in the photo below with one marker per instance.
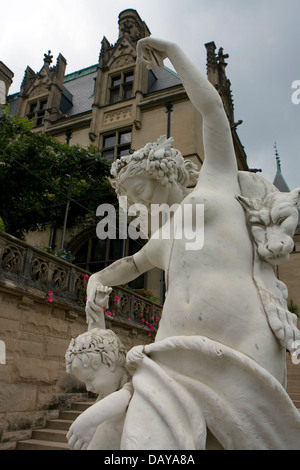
(122, 61)
(39, 270)
(12, 259)
(39, 90)
(117, 115)
(215, 376)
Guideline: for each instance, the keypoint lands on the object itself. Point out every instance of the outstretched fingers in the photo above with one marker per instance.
(146, 53)
(75, 441)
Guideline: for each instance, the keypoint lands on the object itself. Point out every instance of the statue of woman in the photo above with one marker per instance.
(214, 376)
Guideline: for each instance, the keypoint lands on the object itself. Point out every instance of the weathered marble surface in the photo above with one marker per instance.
(225, 318)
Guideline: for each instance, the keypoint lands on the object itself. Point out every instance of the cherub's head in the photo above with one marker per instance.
(97, 358)
(273, 220)
(145, 173)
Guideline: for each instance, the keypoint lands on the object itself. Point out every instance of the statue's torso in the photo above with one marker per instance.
(211, 292)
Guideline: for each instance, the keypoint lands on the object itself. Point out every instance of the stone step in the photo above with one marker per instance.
(36, 444)
(81, 405)
(294, 394)
(293, 390)
(293, 382)
(293, 369)
(53, 435)
(69, 414)
(61, 424)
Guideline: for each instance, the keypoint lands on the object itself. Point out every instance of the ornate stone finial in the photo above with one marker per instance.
(277, 158)
(48, 58)
(222, 56)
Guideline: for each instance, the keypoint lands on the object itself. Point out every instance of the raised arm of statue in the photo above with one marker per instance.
(217, 138)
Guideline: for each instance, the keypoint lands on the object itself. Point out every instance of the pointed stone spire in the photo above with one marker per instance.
(279, 180)
(277, 158)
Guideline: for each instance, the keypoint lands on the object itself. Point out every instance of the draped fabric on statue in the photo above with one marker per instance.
(211, 386)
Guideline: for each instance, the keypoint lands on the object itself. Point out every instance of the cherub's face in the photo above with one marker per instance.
(102, 381)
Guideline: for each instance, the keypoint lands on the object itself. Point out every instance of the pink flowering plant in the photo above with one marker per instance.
(142, 315)
(50, 296)
(110, 311)
(148, 320)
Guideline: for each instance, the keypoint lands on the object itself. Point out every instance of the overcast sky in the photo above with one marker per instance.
(261, 37)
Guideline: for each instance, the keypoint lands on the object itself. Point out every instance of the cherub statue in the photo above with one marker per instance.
(97, 358)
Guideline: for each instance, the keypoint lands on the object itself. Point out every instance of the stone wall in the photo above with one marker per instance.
(33, 381)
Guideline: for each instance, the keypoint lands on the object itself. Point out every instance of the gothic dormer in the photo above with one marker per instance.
(40, 92)
(123, 52)
(119, 78)
(116, 78)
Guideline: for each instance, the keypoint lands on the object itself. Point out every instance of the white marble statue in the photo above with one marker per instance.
(215, 375)
(97, 358)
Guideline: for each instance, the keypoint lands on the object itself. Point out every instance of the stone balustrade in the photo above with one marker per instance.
(33, 268)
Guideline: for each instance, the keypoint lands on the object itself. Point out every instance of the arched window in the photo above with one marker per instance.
(93, 254)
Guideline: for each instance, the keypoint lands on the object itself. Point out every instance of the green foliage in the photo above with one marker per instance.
(35, 178)
(62, 254)
(293, 308)
(146, 293)
(2, 226)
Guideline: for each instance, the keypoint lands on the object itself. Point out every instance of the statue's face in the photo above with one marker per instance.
(102, 381)
(141, 189)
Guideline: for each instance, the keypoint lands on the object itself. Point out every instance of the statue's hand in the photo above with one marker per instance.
(153, 51)
(97, 299)
(81, 432)
(102, 296)
(135, 355)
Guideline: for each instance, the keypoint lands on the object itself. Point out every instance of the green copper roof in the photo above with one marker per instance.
(80, 73)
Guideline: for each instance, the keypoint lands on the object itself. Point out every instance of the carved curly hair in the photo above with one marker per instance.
(159, 160)
(96, 347)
